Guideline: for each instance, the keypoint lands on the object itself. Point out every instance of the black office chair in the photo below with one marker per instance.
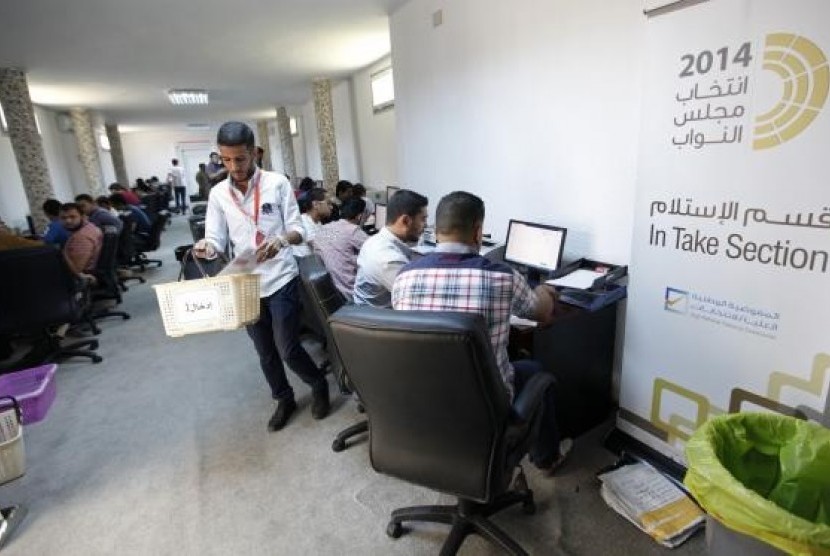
(144, 245)
(106, 274)
(38, 292)
(324, 299)
(440, 416)
(126, 252)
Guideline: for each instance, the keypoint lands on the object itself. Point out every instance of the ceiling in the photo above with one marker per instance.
(119, 57)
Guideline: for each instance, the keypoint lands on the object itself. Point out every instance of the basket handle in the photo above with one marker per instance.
(14, 403)
(195, 259)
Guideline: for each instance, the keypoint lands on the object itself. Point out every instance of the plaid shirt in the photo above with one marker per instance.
(456, 278)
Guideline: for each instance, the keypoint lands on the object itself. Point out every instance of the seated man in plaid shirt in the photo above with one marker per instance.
(456, 278)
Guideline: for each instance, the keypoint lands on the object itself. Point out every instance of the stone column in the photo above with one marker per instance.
(117, 154)
(286, 142)
(26, 142)
(265, 143)
(88, 149)
(324, 113)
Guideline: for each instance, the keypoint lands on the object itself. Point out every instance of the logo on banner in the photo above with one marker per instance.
(715, 96)
(805, 75)
(676, 301)
(723, 312)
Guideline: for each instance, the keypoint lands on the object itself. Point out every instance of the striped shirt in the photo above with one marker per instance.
(338, 244)
(84, 246)
(456, 278)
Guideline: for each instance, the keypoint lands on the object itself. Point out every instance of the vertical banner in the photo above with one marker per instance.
(729, 300)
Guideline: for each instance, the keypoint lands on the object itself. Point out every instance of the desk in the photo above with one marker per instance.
(578, 349)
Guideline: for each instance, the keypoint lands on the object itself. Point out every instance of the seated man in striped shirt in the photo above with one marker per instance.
(84, 244)
(456, 278)
(338, 244)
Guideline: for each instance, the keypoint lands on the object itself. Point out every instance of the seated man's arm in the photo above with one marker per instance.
(536, 304)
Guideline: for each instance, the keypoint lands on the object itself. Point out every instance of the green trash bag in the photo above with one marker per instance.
(764, 475)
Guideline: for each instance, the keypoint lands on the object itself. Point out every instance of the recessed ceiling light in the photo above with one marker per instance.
(187, 96)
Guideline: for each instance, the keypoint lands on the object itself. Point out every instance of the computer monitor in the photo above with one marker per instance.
(535, 246)
(380, 215)
(391, 190)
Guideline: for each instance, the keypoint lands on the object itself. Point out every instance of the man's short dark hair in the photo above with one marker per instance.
(233, 134)
(404, 202)
(359, 189)
(103, 201)
(175, 161)
(307, 198)
(116, 187)
(459, 213)
(352, 208)
(307, 184)
(66, 207)
(83, 197)
(342, 185)
(51, 207)
(117, 199)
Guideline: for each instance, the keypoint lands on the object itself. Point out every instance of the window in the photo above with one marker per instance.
(104, 141)
(292, 125)
(4, 127)
(383, 90)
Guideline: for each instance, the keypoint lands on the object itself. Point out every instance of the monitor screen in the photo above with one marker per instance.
(537, 246)
(391, 190)
(380, 216)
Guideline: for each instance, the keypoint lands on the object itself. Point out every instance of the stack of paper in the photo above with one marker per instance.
(652, 502)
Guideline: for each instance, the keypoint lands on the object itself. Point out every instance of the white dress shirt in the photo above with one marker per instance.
(378, 264)
(310, 229)
(278, 215)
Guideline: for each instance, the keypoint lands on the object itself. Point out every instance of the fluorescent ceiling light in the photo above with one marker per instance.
(187, 96)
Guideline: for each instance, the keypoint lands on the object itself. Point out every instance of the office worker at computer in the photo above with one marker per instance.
(455, 277)
(385, 253)
(338, 243)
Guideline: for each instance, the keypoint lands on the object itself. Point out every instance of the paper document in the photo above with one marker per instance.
(243, 263)
(652, 502)
(581, 278)
(520, 322)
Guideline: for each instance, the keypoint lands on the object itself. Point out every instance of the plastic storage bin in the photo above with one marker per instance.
(12, 453)
(34, 389)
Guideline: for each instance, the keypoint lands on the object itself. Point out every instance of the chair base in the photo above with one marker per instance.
(11, 518)
(339, 443)
(468, 518)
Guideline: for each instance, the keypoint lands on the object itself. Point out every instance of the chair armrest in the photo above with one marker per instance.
(528, 400)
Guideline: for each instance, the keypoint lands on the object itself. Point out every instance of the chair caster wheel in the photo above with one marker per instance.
(394, 529)
(338, 445)
(97, 359)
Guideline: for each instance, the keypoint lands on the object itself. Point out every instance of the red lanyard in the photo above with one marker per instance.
(259, 236)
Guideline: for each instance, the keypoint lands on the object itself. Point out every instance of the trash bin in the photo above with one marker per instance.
(763, 476)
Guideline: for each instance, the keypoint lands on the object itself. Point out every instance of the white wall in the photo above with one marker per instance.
(377, 139)
(532, 104)
(148, 153)
(310, 140)
(13, 204)
(348, 159)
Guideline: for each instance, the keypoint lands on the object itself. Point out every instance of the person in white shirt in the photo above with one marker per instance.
(385, 253)
(314, 208)
(257, 211)
(176, 179)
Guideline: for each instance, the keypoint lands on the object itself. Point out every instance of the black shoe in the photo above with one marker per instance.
(320, 403)
(280, 417)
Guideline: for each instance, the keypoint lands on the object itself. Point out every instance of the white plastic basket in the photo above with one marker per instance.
(209, 304)
(12, 452)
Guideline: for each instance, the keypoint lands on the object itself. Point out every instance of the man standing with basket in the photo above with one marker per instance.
(257, 211)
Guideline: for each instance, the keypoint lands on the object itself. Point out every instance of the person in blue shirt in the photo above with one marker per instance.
(142, 221)
(55, 233)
